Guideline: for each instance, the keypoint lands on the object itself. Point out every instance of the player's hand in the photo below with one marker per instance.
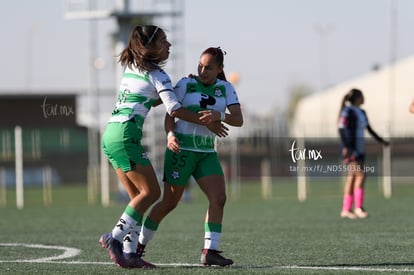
(173, 144)
(218, 128)
(209, 116)
(349, 155)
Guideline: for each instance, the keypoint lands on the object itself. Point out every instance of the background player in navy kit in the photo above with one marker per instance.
(352, 123)
(143, 84)
(191, 151)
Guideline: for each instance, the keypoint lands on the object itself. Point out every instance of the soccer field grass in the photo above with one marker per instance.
(276, 236)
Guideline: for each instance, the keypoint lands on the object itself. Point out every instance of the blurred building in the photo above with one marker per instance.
(51, 137)
(388, 92)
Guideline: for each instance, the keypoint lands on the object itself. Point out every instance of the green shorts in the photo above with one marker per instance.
(121, 143)
(178, 168)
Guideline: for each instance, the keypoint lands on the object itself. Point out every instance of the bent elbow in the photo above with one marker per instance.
(176, 112)
(173, 109)
(240, 123)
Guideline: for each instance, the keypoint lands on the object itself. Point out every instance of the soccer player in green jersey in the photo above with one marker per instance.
(143, 84)
(191, 151)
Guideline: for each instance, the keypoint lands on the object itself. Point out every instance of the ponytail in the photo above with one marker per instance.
(222, 76)
(343, 103)
(350, 97)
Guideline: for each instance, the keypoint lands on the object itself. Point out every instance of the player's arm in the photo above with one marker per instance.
(187, 115)
(376, 136)
(172, 141)
(234, 118)
(373, 133)
(157, 102)
(218, 128)
(345, 137)
(175, 109)
(346, 129)
(214, 126)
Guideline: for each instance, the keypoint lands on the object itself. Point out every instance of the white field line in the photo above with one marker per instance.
(347, 268)
(275, 267)
(69, 252)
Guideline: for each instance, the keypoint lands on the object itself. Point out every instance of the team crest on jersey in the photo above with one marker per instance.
(175, 174)
(218, 92)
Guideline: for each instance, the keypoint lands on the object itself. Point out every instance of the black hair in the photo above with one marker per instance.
(141, 50)
(350, 97)
(218, 54)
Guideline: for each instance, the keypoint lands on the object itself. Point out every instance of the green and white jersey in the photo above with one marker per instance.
(195, 97)
(138, 92)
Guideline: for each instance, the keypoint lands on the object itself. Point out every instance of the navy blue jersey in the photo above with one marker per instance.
(352, 123)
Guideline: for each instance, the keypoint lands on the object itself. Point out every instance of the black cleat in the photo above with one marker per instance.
(213, 257)
(140, 250)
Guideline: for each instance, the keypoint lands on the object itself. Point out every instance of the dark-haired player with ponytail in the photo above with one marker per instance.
(352, 123)
(191, 151)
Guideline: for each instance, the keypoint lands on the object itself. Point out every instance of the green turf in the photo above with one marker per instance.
(276, 236)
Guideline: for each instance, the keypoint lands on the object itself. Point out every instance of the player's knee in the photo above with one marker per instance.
(219, 200)
(156, 193)
(151, 194)
(170, 204)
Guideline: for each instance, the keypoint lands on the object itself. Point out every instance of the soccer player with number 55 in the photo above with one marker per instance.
(191, 151)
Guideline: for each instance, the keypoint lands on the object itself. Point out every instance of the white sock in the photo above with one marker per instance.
(211, 240)
(146, 235)
(131, 240)
(123, 227)
(148, 230)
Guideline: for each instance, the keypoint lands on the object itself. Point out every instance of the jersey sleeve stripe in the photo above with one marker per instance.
(233, 104)
(165, 90)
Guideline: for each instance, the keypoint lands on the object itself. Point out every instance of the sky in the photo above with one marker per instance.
(273, 45)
